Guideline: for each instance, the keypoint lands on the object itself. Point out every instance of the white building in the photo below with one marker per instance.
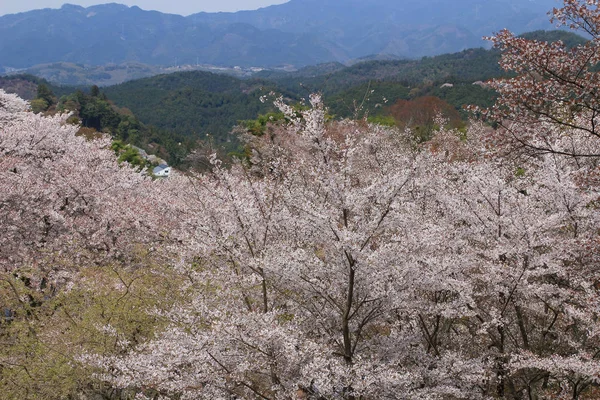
(163, 171)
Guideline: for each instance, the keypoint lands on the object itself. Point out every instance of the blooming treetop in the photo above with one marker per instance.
(65, 201)
(554, 84)
(343, 262)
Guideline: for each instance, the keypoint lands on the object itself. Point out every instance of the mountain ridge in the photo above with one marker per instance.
(299, 32)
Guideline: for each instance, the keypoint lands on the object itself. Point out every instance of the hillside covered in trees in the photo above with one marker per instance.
(337, 259)
(194, 104)
(179, 112)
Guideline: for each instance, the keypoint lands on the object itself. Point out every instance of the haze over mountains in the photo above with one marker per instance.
(299, 33)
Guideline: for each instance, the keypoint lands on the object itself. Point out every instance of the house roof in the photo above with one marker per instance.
(160, 168)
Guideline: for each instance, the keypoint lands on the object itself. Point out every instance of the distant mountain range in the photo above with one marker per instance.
(299, 33)
(76, 74)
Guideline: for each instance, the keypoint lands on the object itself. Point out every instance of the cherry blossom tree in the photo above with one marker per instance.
(65, 200)
(341, 261)
(309, 276)
(554, 85)
(77, 228)
(532, 270)
(549, 111)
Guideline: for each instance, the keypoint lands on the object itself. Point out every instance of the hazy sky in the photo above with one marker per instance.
(183, 7)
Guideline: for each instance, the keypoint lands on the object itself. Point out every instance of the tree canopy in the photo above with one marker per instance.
(336, 260)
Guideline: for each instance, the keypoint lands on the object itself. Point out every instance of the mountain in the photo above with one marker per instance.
(300, 32)
(407, 28)
(115, 33)
(72, 74)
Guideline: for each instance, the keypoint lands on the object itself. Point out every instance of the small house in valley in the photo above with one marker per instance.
(163, 171)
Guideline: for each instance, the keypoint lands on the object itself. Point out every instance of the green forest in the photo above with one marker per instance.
(175, 114)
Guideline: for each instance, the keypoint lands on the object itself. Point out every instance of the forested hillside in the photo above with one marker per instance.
(466, 66)
(190, 106)
(337, 259)
(25, 85)
(194, 104)
(97, 114)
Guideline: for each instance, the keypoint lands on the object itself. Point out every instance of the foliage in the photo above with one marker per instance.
(554, 84)
(424, 115)
(43, 100)
(258, 127)
(97, 112)
(366, 99)
(83, 248)
(382, 120)
(44, 93)
(193, 104)
(39, 105)
(108, 310)
(338, 260)
(129, 154)
(462, 95)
